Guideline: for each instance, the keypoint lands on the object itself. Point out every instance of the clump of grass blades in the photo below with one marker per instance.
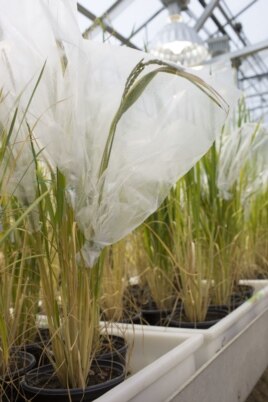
(114, 281)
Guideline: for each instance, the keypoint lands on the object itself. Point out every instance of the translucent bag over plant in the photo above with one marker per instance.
(120, 155)
(243, 148)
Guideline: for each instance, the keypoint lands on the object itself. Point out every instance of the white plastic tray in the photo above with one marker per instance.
(226, 329)
(159, 363)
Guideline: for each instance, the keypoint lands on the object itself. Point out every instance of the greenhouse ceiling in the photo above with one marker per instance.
(239, 26)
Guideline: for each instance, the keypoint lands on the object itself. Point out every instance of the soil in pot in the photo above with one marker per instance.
(214, 315)
(111, 347)
(20, 363)
(42, 385)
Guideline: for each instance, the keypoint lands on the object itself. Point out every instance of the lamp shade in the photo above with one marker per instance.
(179, 43)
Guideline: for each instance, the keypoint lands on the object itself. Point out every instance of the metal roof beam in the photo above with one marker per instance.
(254, 77)
(206, 14)
(214, 19)
(86, 12)
(112, 12)
(248, 50)
(241, 12)
(256, 95)
(105, 26)
(259, 107)
(241, 53)
(242, 38)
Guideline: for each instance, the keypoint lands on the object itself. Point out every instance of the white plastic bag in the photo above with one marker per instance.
(157, 140)
(243, 148)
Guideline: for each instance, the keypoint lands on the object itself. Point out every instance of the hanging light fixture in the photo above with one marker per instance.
(176, 41)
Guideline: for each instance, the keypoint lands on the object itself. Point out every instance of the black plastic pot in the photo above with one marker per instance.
(113, 348)
(135, 296)
(45, 374)
(132, 319)
(20, 363)
(241, 294)
(214, 315)
(39, 348)
(151, 315)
